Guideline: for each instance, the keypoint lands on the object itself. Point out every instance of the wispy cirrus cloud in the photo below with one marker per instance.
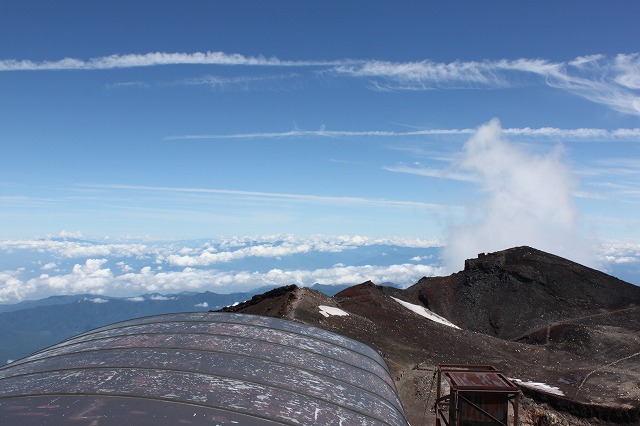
(586, 134)
(301, 198)
(613, 82)
(432, 172)
(616, 176)
(244, 82)
(221, 83)
(153, 59)
(610, 81)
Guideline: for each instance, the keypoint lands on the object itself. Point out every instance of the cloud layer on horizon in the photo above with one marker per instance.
(130, 269)
(115, 269)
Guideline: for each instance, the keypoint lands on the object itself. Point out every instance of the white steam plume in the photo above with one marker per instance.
(527, 200)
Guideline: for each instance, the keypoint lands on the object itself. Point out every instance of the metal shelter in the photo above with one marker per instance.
(479, 395)
(201, 368)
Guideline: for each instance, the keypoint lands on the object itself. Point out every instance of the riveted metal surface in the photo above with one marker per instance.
(220, 368)
(244, 331)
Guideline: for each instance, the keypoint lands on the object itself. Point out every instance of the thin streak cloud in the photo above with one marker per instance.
(610, 81)
(301, 198)
(613, 82)
(152, 59)
(587, 134)
(435, 173)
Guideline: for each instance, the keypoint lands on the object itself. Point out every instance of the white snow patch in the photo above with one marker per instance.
(327, 311)
(540, 386)
(421, 310)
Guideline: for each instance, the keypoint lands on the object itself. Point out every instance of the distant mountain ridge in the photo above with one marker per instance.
(31, 325)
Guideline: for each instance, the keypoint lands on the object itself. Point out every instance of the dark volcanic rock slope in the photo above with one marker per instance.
(512, 292)
(536, 316)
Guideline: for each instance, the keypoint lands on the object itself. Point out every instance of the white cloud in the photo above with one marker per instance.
(426, 74)
(97, 300)
(124, 267)
(620, 252)
(161, 298)
(421, 258)
(201, 305)
(527, 200)
(93, 275)
(612, 82)
(586, 134)
(151, 59)
(430, 172)
(608, 81)
(78, 249)
(91, 278)
(13, 289)
(87, 278)
(290, 245)
(299, 198)
(67, 234)
(242, 83)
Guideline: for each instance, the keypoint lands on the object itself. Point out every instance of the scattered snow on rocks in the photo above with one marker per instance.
(421, 310)
(327, 311)
(540, 386)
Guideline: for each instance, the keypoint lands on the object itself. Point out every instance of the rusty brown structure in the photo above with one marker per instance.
(201, 369)
(479, 395)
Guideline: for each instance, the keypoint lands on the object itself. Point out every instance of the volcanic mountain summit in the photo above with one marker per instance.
(570, 335)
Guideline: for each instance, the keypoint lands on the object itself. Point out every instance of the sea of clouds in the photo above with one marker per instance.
(38, 268)
(60, 265)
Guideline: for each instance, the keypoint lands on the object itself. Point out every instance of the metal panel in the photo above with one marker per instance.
(478, 380)
(103, 410)
(221, 367)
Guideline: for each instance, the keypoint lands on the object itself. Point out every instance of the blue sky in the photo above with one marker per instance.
(479, 124)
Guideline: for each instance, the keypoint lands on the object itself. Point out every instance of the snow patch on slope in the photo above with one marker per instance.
(421, 310)
(327, 311)
(540, 386)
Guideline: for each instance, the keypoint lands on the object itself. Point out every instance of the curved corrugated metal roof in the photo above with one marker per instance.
(201, 368)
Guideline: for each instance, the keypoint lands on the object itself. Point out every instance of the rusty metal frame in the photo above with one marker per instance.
(445, 403)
